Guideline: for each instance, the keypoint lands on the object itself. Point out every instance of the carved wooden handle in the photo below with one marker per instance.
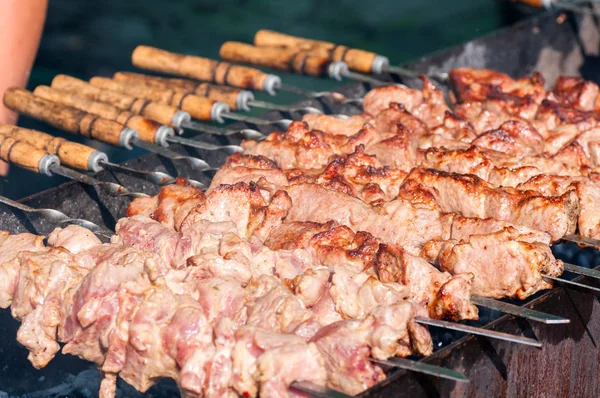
(147, 129)
(280, 58)
(72, 154)
(20, 153)
(228, 95)
(531, 3)
(63, 116)
(357, 60)
(198, 107)
(161, 113)
(205, 69)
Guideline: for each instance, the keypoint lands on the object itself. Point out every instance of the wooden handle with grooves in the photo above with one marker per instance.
(70, 153)
(157, 60)
(228, 95)
(63, 116)
(139, 106)
(145, 128)
(198, 107)
(20, 153)
(357, 60)
(531, 3)
(284, 59)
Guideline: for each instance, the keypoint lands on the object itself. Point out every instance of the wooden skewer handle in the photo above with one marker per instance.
(72, 154)
(64, 117)
(198, 107)
(228, 95)
(161, 113)
(24, 155)
(284, 59)
(148, 130)
(357, 60)
(208, 70)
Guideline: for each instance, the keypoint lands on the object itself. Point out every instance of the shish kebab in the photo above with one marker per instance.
(61, 218)
(353, 125)
(43, 349)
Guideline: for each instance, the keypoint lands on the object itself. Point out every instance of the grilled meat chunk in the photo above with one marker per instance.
(503, 266)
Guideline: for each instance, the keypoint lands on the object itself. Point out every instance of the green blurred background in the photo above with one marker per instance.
(96, 37)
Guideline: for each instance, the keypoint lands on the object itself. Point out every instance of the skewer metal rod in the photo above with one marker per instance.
(424, 368)
(156, 177)
(198, 164)
(576, 269)
(516, 310)
(583, 241)
(58, 217)
(479, 331)
(592, 289)
(317, 390)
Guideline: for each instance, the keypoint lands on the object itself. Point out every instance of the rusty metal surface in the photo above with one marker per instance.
(567, 364)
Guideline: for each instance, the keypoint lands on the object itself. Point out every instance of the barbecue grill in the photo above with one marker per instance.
(553, 44)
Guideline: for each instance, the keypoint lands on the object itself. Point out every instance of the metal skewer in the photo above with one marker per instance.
(113, 188)
(83, 157)
(568, 282)
(58, 217)
(152, 136)
(478, 331)
(317, 390)
(156, 177)
(576, 269)
(421, 367)
(200, 108)
(516, 310)
(580, 240)
(357, 60)
(236, 99)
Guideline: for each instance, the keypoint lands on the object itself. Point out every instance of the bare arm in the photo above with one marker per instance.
(21, 24)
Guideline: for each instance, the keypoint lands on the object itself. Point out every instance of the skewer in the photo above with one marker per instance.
(317, 390)
(200, 108)
(121, 107)
(516, 310)
(478, 331)
(83, 157)
(580, 240)
(58, 217)
(224, 73)
(29, 157)
(357, 60)
(421, 367)
(152, 136)
(242, 100)
(292, 60)
(576, 269)
(592, 289)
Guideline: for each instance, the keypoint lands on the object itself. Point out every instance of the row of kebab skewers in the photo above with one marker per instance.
(317, 255)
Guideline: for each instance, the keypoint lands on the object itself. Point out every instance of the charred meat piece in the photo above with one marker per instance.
(503, 266)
